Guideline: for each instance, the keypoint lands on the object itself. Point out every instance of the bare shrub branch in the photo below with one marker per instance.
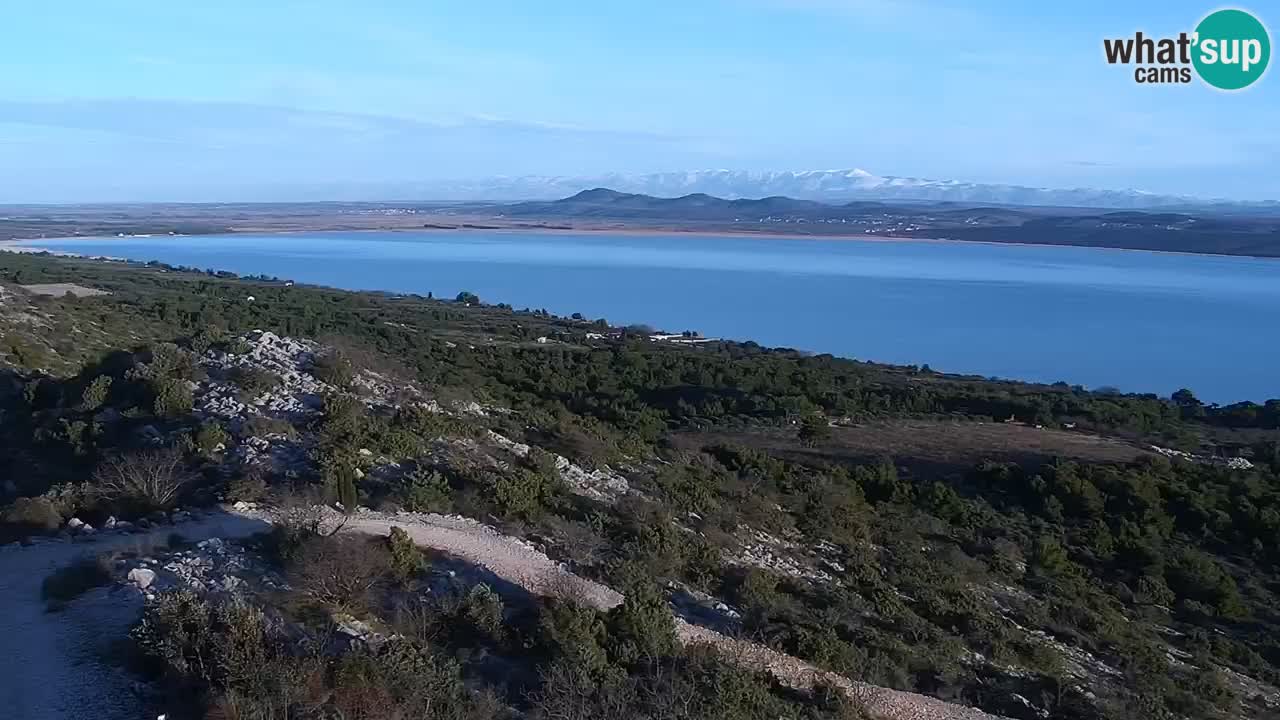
(340, 571)
(153, 478)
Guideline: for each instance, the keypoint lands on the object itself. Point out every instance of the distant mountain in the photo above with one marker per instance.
(611, 204)
(608, 204)
(820, 185)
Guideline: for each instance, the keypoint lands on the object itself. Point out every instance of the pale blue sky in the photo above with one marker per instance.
(258, 99)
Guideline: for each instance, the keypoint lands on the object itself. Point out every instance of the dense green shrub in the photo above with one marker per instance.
(425, 489)
(211, 436)
(641, 629)
(1197, 576)
(96, 393)
(814, 430)
(703, 563)
(521, 492)
(168, 361)
(756, 594)
(575, 633)
(837, 511)
(173, 397)
(31, 515)
(406, 559)
(483, 610)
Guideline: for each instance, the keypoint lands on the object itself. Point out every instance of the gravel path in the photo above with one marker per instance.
(51, 663)
(882, 703)
(51, 668)
(504, 556)
(523, 565)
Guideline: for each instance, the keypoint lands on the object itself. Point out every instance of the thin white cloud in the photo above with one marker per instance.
(190, 120)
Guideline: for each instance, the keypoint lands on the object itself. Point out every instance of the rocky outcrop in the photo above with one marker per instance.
(213, 566)
(761, 550)
(601, 485)
(298, 395)
(275, 451)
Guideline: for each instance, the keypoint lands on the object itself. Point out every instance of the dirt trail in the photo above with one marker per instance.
(879, 702)
(51, 664)
(51, 668)
(532, 570)
(504, 556)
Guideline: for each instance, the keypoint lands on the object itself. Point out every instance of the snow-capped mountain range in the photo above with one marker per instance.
(822, 185)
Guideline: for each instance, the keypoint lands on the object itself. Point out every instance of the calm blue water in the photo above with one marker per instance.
(1144, 322)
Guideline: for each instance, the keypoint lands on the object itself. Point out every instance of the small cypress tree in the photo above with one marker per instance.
(344, 486)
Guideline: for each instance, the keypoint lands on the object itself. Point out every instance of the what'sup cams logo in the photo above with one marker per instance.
(1229, 50)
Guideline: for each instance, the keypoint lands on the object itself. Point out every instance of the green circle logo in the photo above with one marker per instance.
(1232, 49)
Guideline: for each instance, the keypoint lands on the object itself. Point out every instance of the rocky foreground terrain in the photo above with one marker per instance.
(52, 654)
(298, 397)
(371, 480)
(47, 653)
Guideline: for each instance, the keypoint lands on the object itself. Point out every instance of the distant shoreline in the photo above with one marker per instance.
(13, 244)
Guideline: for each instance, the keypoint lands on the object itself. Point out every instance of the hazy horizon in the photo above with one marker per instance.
(294, 101)
(495, 189)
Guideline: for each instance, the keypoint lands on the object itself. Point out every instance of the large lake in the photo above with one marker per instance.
(1145, 322)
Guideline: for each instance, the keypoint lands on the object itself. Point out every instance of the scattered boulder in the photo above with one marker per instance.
(351, 633)
(142, 577)
(212, 566)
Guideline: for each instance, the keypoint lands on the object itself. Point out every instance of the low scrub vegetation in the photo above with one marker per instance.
(557, 659)
(1025, 585)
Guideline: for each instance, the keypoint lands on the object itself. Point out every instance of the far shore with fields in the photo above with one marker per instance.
(1205, 231)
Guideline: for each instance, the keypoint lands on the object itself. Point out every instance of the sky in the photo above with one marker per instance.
(154, 100)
